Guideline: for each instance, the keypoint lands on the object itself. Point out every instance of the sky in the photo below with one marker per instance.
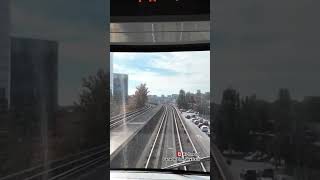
(165, 73)
(77, 25)
(261, 46)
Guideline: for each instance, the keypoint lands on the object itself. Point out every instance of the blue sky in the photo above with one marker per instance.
(165, 72)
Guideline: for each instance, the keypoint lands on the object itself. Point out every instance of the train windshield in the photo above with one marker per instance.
(160, 77)
(153, 96)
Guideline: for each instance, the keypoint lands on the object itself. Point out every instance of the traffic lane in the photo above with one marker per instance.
(199, 138)
(123, 133)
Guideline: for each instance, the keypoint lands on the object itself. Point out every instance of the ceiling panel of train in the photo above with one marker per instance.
(160, 33)
(160, 25)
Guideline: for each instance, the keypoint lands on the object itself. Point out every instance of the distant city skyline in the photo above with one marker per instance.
(165, 73)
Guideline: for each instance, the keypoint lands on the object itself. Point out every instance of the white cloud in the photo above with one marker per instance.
(192, 71)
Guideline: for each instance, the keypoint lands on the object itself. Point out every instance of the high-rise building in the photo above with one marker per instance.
(4, 54)
(120, 87)
(34, 78)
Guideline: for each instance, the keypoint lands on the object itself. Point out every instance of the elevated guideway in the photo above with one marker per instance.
(121, 135)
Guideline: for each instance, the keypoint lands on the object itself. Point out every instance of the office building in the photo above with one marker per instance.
(34, 79)
(120, 87)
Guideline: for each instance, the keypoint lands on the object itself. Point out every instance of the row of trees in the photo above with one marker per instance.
(198, 102)
(283, 122)
(93, 104)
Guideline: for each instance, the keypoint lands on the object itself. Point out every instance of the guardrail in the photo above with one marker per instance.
(115, 121)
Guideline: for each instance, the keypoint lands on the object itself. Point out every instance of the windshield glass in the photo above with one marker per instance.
(153, 96)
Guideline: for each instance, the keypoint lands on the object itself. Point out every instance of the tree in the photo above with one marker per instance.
(227, 119)
(283, 125)
(189, 100)
(141, 95)
(93, 103)
(181, 100)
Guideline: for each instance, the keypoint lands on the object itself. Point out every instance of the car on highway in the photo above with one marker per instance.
(204, 128)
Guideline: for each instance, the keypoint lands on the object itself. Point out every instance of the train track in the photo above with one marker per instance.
(182, 142)
(219, 171)
(153, 160)
(65, 167)
(186, 144)
(119, 119)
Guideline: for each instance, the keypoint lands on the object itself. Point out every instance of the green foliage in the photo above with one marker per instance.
(94, 104)
(141, 95)
(181, 100)
(228, 119)
(239, 122)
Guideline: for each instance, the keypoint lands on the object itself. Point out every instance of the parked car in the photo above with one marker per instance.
(249, 174)
(194, 116)
(252, 156)
(263, 157)
(283, 177)
(190, 111)
(204, 128)
(196, 122)
(201, 120)
(267, 174)
(206, 123)
(193, 120)
(200, 125)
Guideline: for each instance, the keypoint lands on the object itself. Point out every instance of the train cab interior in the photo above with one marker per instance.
(142, 26)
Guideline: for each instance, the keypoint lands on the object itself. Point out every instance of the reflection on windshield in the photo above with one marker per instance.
(53, 90)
